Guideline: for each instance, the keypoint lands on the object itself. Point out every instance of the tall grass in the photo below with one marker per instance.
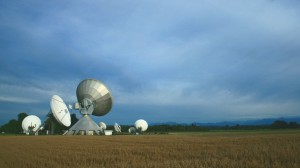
(224, 150)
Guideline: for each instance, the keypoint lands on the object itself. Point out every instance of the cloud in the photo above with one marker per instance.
(207, 57)
(34, 91)
(17, 99)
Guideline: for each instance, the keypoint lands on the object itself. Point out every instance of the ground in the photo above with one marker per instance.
(209, 149)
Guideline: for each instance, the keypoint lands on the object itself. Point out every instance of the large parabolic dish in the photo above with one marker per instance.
(93, 98)
(96, 92)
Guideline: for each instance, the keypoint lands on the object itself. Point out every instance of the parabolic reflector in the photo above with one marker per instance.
(60, 111)
(132, 130)
(102, 125)
(96, 92)
(141, 125)
(31, 123)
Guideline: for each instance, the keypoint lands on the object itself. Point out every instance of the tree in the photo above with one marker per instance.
(21, 117)
(55, 127)
(11, 127)
(279, 124)
(293, 125)
(74, 119)
(14, 126)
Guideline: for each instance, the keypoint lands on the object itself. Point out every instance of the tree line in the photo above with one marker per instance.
(14, 126)
(278, 124)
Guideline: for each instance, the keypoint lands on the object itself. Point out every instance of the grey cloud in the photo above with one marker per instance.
(198, 55)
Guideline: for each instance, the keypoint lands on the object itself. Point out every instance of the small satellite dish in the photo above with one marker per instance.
(102, 125)
(60, 111)
(132, 130)
(31, 124)
(141, 125)
(117, 127)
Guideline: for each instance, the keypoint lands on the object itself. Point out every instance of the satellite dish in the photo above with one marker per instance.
(60, 111)
(141, 125)
(102, 125)
(132, 130)
(31, 124)
(93, 98)
(117, 127)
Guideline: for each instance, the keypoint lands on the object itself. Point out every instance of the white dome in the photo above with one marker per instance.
(141, 125)
(31, 121)
(102, 125)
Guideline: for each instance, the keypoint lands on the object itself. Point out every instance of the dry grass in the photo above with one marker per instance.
(196, 150)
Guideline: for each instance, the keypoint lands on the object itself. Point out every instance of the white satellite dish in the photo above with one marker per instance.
(60, 111)
(141, 125)
(132, 130)
(31, 124)
(117, 127)
(102, 125)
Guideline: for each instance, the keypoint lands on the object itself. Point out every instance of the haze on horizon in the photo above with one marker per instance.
(195, 61)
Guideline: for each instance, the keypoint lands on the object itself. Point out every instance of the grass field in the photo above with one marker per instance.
(212, 149)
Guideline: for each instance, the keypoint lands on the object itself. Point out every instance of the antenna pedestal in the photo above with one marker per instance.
(85, 126)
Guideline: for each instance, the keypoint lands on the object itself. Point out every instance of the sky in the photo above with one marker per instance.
(180, 61)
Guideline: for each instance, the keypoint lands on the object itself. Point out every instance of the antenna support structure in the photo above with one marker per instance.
(93, 98)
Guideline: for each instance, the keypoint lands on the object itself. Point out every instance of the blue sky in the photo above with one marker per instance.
(181, 61)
